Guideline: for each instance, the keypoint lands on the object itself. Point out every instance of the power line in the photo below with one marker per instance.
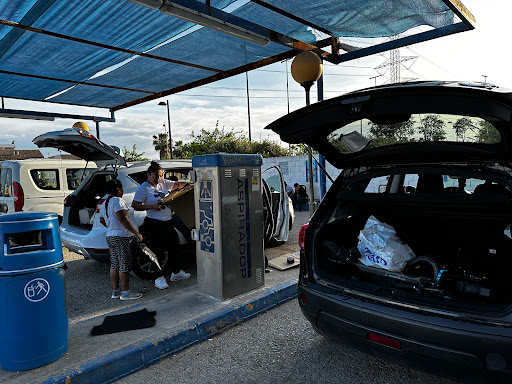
(431, 62)
(244, 97)
(325, 74)
(257, 89)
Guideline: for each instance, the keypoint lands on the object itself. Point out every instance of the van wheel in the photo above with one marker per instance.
(144, 268)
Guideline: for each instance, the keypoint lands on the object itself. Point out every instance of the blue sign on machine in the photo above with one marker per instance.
(206, 230)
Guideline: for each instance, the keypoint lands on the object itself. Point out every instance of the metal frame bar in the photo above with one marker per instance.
(72, 81)
(59, 115)
(223, 75)
(293, 17)
(229, 18)
(462, 12)
(408, 40)
(424, 36)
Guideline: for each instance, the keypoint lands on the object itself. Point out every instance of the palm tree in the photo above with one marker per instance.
(160, 143)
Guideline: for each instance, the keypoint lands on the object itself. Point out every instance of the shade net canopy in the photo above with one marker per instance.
(118, 53)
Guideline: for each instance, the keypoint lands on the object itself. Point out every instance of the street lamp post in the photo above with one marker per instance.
(166, 103)
(306, 69)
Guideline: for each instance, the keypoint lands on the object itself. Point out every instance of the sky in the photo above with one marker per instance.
(475, 55)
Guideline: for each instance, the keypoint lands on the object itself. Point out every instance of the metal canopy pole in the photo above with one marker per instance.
(248, 105)
(321, 158)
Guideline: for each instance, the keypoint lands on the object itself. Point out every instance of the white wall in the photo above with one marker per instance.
(294, 171)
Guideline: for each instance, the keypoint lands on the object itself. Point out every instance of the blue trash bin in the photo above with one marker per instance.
(33, 314)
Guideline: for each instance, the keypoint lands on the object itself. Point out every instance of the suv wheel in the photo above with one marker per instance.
(144, 268)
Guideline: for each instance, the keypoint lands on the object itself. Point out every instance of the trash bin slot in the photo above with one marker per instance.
(29, 241)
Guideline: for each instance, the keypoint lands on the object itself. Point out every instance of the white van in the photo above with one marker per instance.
(40, 184)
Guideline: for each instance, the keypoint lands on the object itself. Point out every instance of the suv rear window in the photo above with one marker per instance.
(418, 128)
(47, 179)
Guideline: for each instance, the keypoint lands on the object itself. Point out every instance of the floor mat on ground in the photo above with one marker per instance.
(125, 322)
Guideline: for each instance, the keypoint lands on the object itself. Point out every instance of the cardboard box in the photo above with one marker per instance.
(181, 201)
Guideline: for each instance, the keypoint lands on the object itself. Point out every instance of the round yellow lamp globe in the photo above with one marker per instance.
(306, 66)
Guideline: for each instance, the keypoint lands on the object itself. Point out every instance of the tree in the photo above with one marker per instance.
(133, 155)
(160, 143)
(387, 134)
(220, 140)
(433, 128)
(488, 133)
(461, 126)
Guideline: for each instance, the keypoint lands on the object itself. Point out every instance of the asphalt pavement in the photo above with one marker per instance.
(184, 317)
(282, 347)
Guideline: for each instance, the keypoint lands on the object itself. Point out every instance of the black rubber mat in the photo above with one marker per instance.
(125, 322)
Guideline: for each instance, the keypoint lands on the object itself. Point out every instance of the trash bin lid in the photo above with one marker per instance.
(29, 242)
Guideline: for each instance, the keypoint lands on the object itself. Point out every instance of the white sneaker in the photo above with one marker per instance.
(127, 295)
(160, 283)
(181, 275)
(116, 293)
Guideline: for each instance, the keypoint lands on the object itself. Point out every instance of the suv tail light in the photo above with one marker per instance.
(68, 200)
(302, 236)
(100, 201)
(19, 197)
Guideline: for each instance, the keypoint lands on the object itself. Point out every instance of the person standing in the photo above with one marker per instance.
(158, 224)
(300, 197)
(121, 237)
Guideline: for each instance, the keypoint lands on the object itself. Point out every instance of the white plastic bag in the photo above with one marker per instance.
(380, 247)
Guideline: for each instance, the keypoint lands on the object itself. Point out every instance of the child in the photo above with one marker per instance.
(121, 237)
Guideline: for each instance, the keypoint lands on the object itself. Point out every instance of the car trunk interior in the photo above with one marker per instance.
(463, 234)
(84, 203)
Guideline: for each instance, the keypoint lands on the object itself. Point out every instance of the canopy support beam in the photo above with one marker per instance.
(73, 82)
(20, 114)
(404, 41)
(223, 75)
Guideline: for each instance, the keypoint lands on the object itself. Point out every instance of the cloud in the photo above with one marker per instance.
(197, 102)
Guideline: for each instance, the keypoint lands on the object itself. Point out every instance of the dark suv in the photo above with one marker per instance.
(432, 160)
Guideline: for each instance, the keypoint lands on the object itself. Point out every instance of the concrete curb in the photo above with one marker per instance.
(132, 358)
